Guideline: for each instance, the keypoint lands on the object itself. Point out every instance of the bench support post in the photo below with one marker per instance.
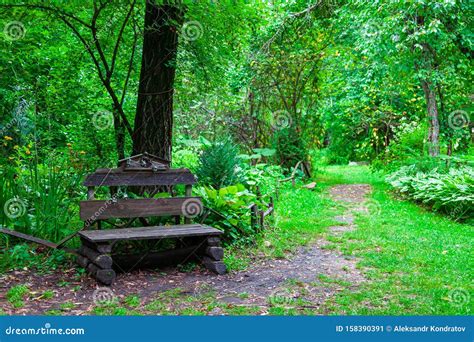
(213, 255)
(188, 192)
(96, 260)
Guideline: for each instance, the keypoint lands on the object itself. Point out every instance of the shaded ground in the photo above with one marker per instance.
(300, 280)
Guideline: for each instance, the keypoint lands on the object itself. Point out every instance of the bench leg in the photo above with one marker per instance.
(213, 255)
(97, 263)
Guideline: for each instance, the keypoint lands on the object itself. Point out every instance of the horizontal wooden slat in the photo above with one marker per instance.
(149, 233)
(110, 177)
(143, 207)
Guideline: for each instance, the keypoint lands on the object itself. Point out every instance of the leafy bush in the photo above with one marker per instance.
(219, 165)
(451, 192)
(187, 150)
(290, 147)
(230, 210)
(261, 176)
(406, 148)
(229, 204)
(186, 158)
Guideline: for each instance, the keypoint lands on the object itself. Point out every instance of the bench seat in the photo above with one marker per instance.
(149, 233)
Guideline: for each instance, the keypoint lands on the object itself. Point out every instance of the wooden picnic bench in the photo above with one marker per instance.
(145, 174)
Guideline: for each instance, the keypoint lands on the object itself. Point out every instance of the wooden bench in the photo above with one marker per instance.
(193, 241)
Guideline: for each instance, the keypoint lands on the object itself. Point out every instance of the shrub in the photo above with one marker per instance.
(218, 165)
(186, 158)
(289, 146)
(451, 192)
(262, 176)
(186, 152)
(406, 148)
(230, 210)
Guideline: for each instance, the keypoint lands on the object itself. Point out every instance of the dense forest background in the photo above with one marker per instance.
(237, 91)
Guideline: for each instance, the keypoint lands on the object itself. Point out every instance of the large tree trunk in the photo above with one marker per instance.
(426, 67)
(154, 116)
(433, 132)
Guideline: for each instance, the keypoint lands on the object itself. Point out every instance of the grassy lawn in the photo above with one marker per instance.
(417, 262)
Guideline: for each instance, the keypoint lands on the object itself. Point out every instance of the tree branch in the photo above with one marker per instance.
(97, 11)
(130, 65)
(119, 37)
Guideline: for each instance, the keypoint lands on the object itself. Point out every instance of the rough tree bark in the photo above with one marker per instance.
(154, 115)
(433, 132)
(426, 67)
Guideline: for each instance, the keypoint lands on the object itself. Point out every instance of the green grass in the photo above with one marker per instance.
(417, 262)
(132, 301)
(301, 215)
(173, 302)
(17, 294)
(48, 294)
(66, 306)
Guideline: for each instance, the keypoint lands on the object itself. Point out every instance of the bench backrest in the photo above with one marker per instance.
(94, 210)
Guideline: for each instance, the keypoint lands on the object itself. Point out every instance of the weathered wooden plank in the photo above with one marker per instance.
(214, 266)
(216, 253)
(189, 192)
(143, 207)
(149, 233)
(268, 211)
(253, 215)
(140, 178)
(90, 192)
(28, 238)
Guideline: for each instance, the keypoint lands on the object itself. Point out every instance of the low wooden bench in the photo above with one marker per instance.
(196, 241)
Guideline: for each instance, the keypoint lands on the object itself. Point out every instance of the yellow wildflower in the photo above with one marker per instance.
(8, 138)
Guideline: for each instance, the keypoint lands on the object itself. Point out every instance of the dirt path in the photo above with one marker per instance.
(296, 278)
